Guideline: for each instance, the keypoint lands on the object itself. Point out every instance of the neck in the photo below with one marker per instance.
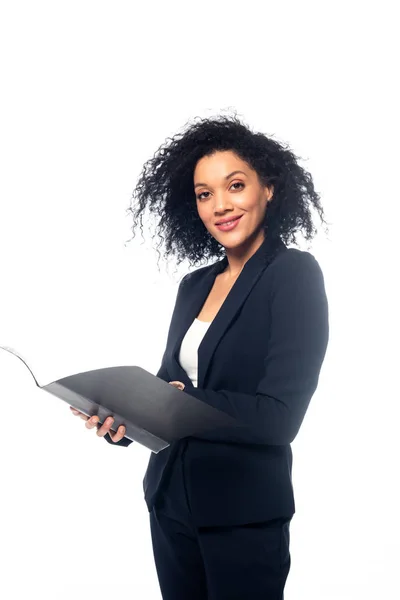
(237, 257)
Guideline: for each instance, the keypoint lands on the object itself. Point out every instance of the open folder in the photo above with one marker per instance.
(154, 413)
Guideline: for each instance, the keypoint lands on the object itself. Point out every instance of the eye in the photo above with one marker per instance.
(235, 183)
(238, 183)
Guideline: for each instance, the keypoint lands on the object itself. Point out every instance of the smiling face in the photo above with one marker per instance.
(221, 194)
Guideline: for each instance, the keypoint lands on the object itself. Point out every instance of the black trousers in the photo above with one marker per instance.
(245, 562)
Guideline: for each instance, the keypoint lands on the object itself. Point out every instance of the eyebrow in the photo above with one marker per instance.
(227, 177)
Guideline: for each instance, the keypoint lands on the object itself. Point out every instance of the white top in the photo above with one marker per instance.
(188, 357)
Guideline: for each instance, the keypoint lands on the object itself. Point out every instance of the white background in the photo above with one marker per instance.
(89, 90)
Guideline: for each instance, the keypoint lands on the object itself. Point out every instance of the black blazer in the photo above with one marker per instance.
(259, 361)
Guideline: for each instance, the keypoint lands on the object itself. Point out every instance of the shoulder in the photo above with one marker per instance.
(293, 269)
(293, 259)
(195, 275)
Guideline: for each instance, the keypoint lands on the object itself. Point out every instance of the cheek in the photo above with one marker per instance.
(249, 201)
(205, 213)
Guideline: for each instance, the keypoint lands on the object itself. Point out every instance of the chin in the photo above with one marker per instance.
(234, 243)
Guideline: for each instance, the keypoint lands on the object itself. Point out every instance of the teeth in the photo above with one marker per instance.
(228, 223)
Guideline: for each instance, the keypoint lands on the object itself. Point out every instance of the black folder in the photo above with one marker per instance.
(154, 412)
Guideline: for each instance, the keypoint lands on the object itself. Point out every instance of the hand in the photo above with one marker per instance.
(178, 384)
(103, 429)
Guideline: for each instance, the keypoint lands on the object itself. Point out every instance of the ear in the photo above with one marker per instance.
(270, 192)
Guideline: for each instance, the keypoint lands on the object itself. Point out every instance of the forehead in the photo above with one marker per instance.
(220, 162)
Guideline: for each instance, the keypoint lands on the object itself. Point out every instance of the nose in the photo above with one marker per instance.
(222, 204)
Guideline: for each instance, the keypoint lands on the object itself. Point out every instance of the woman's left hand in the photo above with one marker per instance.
(178, 384)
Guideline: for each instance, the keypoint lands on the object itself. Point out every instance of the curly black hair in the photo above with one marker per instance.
(166, 187)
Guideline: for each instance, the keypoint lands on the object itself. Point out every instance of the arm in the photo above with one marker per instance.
(297, 346)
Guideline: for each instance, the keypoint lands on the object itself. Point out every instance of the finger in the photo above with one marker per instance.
(178, 384)
(92, 422)
(77, 413)
(105, 427)
(116, 437)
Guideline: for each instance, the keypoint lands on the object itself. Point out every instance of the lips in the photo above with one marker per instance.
(228, 220)
(229, 227)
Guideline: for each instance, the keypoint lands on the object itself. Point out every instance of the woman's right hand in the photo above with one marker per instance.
(103, 429)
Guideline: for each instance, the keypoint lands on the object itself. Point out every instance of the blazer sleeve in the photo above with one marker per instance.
(297, 345)
(162, 373)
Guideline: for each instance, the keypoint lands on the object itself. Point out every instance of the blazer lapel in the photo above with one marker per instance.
(249, 276)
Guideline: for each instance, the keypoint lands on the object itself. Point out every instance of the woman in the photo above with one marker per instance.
(248, 335)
